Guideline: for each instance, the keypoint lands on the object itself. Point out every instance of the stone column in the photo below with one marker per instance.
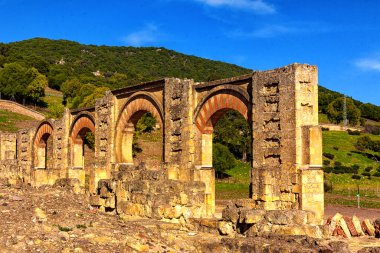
(127, 142)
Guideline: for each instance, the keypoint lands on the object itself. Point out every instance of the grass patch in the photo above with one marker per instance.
(9, 120)
(63, 229)
(235, 184)
(231, 191)
(81, 226)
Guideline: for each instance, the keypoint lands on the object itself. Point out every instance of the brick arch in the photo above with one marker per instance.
(138, 105)
(45, 128)
(131, 112)
(215, 105)
(81, 121)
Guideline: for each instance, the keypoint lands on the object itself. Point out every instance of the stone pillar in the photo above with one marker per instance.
(41, 156)
(127, 143)
(207, 175)
(207, 150)
(178, 127)
(78, 153)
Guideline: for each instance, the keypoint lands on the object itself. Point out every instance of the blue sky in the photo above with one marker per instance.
(341, 37)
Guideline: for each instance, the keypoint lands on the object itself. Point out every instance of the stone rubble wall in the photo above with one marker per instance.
(147, 193)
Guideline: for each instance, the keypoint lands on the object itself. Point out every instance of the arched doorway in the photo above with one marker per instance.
(135, 108)
(208, 113)
(82, 148)
(43, 147)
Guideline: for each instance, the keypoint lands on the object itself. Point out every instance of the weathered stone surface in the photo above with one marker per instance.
(368, 227)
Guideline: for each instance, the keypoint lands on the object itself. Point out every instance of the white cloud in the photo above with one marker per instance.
(149, 34)
(258, 6)
(369, 64)
(272, 31)
(268, 31)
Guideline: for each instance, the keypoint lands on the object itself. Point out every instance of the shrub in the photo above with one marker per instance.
(325, 129)
(328, 169)
(368, 169)
(377, 174)
(222, 158)
(367, 174)
(329, 156)
(355, 176)
(336, 148)
(326, 162)
(355, 169)
(353, 132)
(327, 185)
(338, 164)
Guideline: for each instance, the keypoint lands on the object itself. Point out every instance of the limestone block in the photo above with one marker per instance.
(96, 200)
(350, 226)
(357, 225)
(226, 228)
(286, 217)
(251, 216)
(368, 228)
(110, 202)
(230, 213)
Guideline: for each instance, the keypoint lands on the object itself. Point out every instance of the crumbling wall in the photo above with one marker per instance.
(136, 191)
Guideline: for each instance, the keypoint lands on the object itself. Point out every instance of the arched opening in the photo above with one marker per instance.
(43, 147)
(147, 145)
(44, 154)
(214, 114)
(83, 149)
(141, 117)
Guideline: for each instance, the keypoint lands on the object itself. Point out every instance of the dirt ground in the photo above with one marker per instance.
(56, 220)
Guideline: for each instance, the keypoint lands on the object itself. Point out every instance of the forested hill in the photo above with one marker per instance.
(61, 60)
(84, 72)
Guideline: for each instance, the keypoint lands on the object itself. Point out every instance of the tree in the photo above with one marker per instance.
(89, 100)
(222, 158)
(16, 80)
(232, 130)
(335, 111)
(36, 88)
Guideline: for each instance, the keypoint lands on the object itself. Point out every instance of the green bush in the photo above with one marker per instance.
(367, 174)
(368, 169)
(222, 158)
(337, 164)
(328, 155)
(327, 169)
(325, 129)
(326, 162)
(336, 148)
(327, 185)
(377, 174)
(355, 176)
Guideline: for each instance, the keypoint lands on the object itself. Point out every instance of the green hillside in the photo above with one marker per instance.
(61, 60)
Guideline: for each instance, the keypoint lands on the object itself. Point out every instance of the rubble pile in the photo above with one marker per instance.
(348, 227)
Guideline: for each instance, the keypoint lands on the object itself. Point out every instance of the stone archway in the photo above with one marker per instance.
(83, 124)
(208, 112)
(132, 111)
(43, 150)
(80, 169)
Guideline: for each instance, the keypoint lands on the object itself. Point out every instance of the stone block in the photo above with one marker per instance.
(251, 216)
(368, 228)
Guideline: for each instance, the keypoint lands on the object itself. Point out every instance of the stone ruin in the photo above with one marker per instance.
(280, 106)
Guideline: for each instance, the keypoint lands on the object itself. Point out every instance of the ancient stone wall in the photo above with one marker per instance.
(280, 105)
